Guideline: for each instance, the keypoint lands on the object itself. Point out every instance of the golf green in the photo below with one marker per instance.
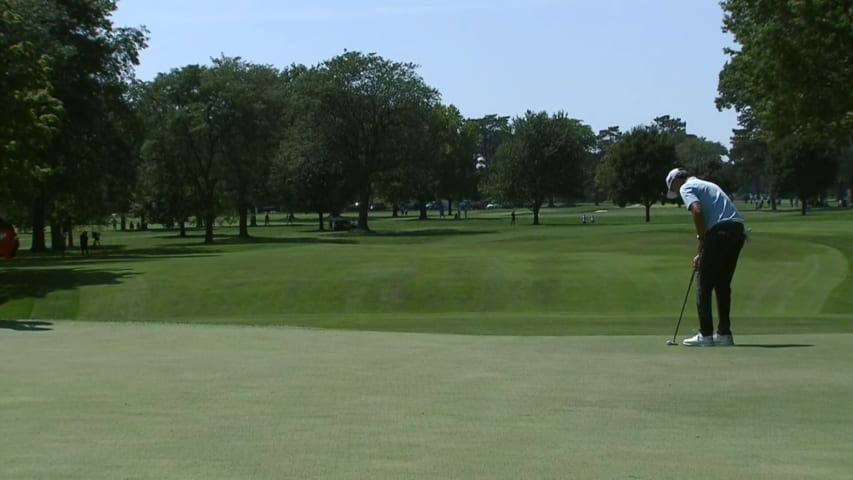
(103, 400)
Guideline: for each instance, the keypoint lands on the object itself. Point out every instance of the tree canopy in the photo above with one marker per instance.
(543, 157)
(81, 138)
(634, 167)
(802, 166)
(793, 66)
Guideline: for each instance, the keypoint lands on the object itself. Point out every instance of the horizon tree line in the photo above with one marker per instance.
(84, 139)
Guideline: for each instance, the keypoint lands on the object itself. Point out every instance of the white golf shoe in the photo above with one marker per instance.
(698, 340)
(724, 340)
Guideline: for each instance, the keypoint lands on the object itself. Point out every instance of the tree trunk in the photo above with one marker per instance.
(363, 209)
(394, 210)
(208, 228)
(802, 205)
(648, 212)
(123, 222)
(244, 214)
(182, 225)
(57, 238)
(536, 207)
(38, 243)
(422, 211)
(322, 223)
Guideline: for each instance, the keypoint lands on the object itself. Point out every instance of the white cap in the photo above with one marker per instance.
(669, 178)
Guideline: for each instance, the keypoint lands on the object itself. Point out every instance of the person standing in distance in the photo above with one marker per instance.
(720, 238)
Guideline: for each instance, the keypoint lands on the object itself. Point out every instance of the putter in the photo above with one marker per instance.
(672, 342)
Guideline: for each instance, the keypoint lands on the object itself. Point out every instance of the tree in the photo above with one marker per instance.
(793, 66)
(90, 62)
(457, 144)
(492, 131)
(307, 178)
(544, 157)
(418, 176)
(30, 111)
(634, 167)
(187, 125)
(671, 126)
(749, 154)
(603, 141)
(703, 158)
(802, 166)
(365, 104)
(161, 180)
(307, 173)
(700, 156)
(254, 99)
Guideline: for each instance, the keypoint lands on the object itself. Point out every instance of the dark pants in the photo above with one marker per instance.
(716, 268)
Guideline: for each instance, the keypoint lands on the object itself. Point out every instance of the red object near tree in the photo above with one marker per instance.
(8, 240)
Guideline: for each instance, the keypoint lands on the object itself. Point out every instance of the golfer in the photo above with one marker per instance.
(719, 237)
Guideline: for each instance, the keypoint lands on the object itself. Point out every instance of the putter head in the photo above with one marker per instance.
(671, 343)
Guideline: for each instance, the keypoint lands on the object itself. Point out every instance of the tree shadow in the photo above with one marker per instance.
(21, 283)
(26, 325)
(432, 232)
(775, 345)
(237, 240)
(110, 253)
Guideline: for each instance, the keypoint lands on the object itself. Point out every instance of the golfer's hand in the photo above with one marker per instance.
(696, 263)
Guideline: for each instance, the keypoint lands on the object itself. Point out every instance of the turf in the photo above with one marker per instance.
(95, 401)
(479, 276)
(138, 362)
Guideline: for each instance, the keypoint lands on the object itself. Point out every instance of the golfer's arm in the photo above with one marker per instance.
(699, 223)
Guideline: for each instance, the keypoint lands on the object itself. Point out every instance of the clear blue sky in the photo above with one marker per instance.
(605, 62)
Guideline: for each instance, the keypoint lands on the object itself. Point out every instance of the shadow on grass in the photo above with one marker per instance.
(39, 282)
(236, 240)
(189, 246)
(25, 325)
(775, 345)
(432, 232)
(196, 240)
(108, 253)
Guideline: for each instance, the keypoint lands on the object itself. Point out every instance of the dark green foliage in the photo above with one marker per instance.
(634, 169)
(544, 157)
(363, 105)
(793, 66)
(802, 166)
(72, 67)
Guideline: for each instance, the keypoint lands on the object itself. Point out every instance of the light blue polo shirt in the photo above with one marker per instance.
(716, 206)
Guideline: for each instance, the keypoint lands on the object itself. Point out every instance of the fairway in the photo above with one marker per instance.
(105, 401)
(428, 349)
(476, 276)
